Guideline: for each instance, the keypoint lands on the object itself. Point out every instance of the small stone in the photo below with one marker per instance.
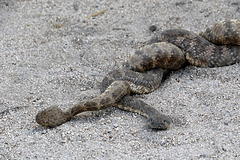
(153, 28)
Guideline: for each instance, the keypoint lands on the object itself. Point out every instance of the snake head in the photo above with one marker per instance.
(52, 117)
(159, 122)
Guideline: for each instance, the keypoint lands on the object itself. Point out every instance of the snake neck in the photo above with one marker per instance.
(108, 98)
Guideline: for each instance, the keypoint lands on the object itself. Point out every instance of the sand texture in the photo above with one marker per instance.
(56, 52)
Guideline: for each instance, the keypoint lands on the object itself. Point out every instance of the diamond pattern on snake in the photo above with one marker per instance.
(168, 50)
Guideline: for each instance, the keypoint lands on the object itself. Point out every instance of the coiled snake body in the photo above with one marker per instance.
(168, 50)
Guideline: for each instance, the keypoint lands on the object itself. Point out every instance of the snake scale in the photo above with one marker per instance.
(168, 50)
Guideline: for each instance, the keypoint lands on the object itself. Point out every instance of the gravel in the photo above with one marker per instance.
(57, 52)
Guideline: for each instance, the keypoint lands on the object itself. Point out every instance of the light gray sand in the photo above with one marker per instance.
(52, 52)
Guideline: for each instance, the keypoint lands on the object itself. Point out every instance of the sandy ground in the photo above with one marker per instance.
(57, 52)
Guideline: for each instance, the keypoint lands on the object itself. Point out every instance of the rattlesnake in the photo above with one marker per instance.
(142, 73)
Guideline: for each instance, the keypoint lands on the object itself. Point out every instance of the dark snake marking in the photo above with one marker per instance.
(169, 50)
(54, 116)
(199, 51)
(224, 32)
(139, 83)
(146, 82)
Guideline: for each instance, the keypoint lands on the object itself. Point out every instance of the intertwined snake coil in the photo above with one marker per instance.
(168, 50)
